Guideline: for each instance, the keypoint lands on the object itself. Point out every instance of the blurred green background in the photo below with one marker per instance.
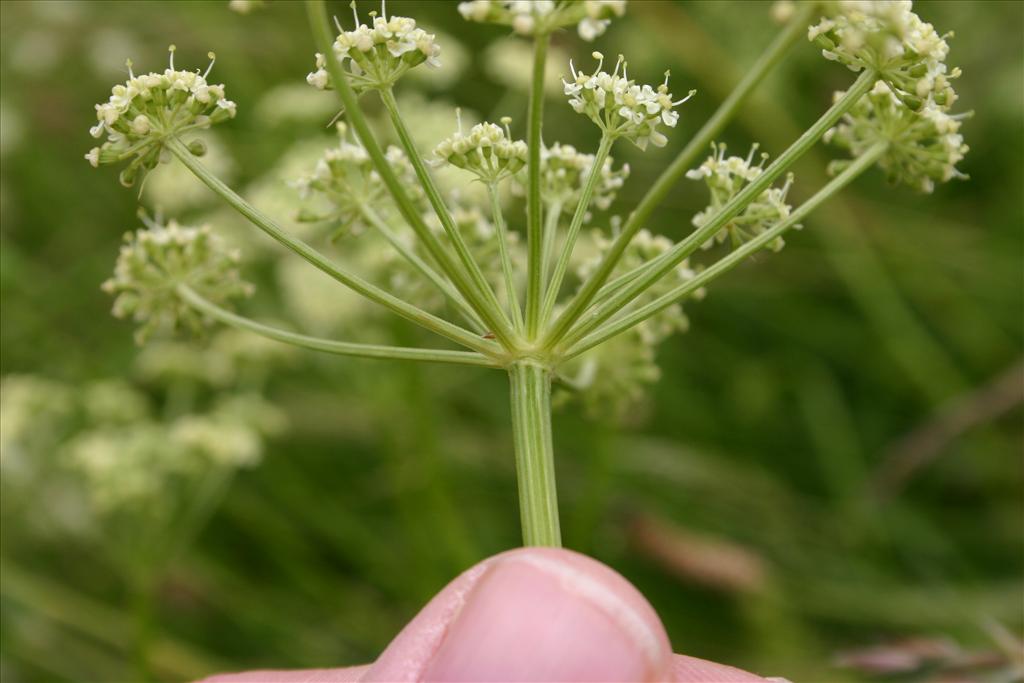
(826, 483)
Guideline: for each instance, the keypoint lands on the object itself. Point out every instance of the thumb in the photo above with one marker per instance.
(532, 614)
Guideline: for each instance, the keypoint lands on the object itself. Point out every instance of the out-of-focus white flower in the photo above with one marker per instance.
(347, 187)
(725, 177)
(508, 62)
(456, 60)
(619, 106)
(12, 128)
(610, 379)
(924, 146)
(34, 414)
(564, 170)
(146, 110)
(173, 188)
(113, 401)
(169, 362)
(376, 56)
(126, 465)
(291, 103)
(488, 150)
(245, 6)
(106, 50)
(538, 17)
(154, 261)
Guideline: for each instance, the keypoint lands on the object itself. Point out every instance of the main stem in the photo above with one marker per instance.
(535, 464)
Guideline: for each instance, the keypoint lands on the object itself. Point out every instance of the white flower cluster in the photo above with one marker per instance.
(564, 170)
(538, 17)
(35, 414)
(142, 462)
(924, 147)
(155, 260)
(888, 37)
(345, 180)
(488, 150)
(377, 56)
(150, 108)
(610, 379)
(619, 106)
(725, 177)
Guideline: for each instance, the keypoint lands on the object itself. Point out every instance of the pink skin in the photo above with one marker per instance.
(532, 614)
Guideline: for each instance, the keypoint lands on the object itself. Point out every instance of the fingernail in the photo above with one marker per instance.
(545, 615)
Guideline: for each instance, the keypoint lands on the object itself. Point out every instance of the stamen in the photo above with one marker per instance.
(213, 59)
(458, 119)
(143, 216)
(600, 61)
(619, 62)
(337, 24)
(383, 10)
(750, 156)
(667, 74)
(171, 49)
(355, 15)
(785, 188)
(688, 96)
(506, 120)
(572, 69)
(128, 63)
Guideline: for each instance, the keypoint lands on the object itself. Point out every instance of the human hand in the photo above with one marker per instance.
(531, 614)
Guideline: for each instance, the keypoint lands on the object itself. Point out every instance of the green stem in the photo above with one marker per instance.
(331, 346)
(534, 228)
(657, 268)
(535, 465)
(317, 12)
(555, 283)
(422, 266)
(501, 233)
(796, 28)
(354, 282)
(620, 325)
(492, 312)
(550, 234)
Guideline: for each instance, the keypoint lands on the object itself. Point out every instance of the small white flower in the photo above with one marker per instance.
(155, 260)
(403, 46)
(146, 110)
(488, 150)
(726, 177)
(536, 17)
(619, 106)
(924, 147)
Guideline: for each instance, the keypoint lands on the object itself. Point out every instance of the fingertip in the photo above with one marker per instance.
(532, 614)
(693, 670)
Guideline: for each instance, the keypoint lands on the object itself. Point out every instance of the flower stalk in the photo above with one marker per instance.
(620, 325)
(656, 269)
(331, 346)
(535, 464)
(372, 292)
(534, 201)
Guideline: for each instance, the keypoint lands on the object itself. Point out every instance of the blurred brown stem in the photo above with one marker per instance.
(925, 443)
